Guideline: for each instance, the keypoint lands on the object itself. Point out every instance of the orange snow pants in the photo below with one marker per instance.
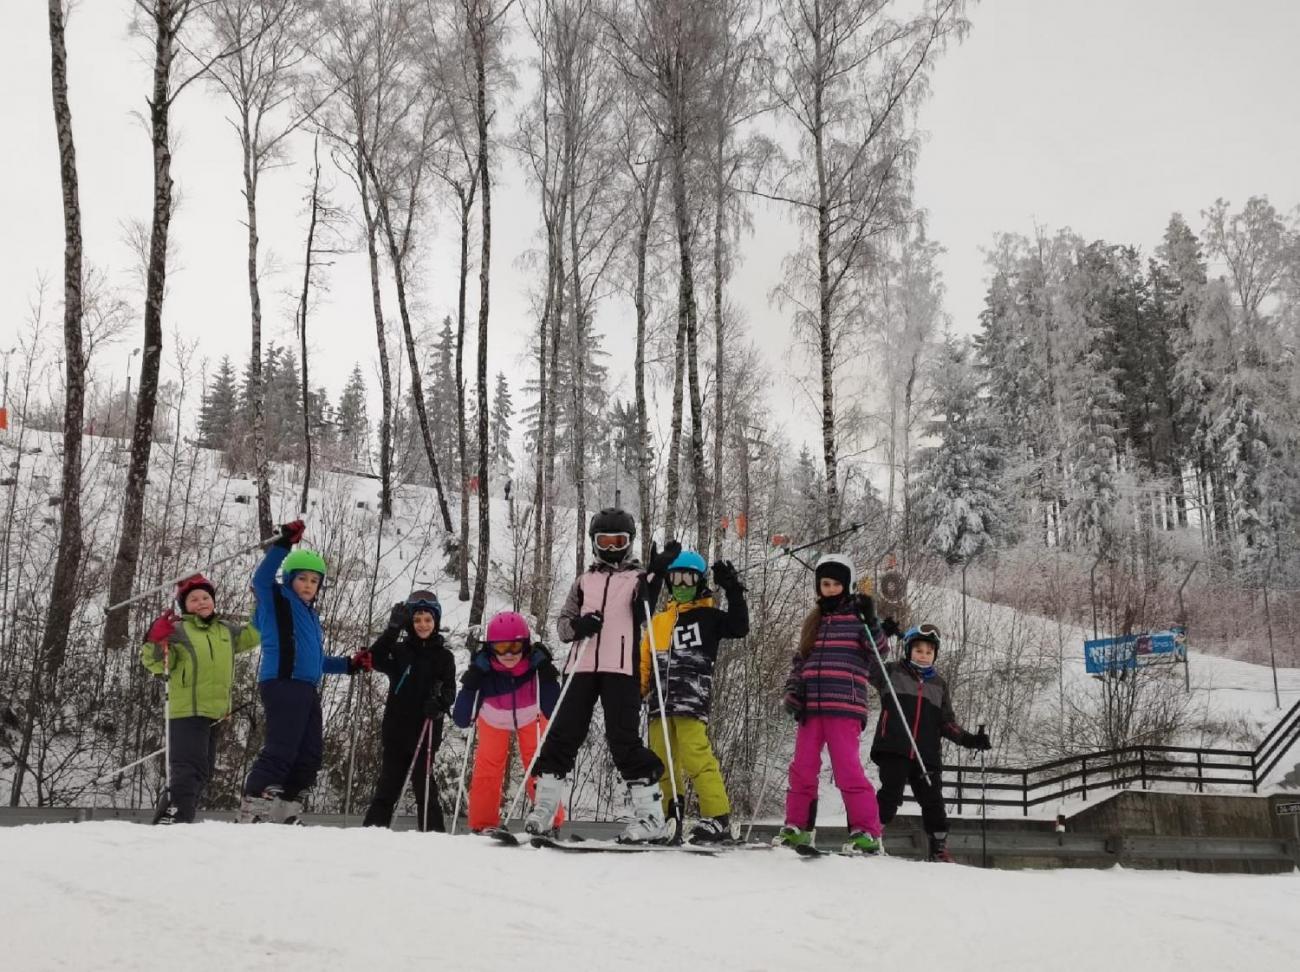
(490, 756)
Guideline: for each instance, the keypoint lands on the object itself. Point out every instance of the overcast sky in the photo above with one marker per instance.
(1104, 116)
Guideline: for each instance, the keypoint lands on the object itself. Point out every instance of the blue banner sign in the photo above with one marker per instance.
(1130, 651)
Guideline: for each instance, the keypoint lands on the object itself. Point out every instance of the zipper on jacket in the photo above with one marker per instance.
(916, 719)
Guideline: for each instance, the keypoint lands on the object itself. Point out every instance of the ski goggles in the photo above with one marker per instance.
(684, 578)
(612, 541)
(424, 601)
(925, 632)
(502, 648)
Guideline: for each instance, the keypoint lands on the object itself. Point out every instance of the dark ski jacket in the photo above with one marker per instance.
(418, 670)
(926, 709)
(687, 638)
(508, 698)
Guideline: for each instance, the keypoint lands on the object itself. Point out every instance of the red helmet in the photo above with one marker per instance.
(507, 626)
(195, 582)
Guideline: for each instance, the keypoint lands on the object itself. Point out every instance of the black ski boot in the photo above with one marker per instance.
(939, 849)
(712, 830)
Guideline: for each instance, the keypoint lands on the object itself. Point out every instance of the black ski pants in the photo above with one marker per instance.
(899, 771)
(395, 762)
(193, 742)
(620, 700)
(293, 750)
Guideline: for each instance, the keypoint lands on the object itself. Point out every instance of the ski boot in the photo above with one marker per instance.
(261, 809)
(288, 812)
(712, 830)
(546, 801)
(939, 849)
(793, 837)
(861, 842)
(648, 825)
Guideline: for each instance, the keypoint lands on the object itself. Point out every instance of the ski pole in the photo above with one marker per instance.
(788, 551)
(428, 775)
(663, 718)
(168, 585)
(555, 714)
(889, 681)
(984, 805)
(410, 770)
(464, 764)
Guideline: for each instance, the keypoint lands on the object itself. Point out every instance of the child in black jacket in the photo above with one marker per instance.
(421, 688)
(926, 706)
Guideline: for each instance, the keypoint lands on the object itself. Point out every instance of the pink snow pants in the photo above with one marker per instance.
(841, 736)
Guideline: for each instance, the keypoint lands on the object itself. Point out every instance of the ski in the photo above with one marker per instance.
(810, 852)
(614, 847)
(502, 836)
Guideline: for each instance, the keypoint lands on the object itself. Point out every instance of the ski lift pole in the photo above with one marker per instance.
(168, 585)
(984, 804)
(788, 551)
(464, 763)
(678, 809)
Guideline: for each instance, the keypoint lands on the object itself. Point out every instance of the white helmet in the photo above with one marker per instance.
(836, 566)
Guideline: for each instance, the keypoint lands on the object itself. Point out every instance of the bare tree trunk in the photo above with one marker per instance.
(166, 17)
(826, 347)
(462, 447)
(557, 316)
(302, 326)
(385, 378)
(536, 607)
(257, 386)
(577, 323)
(397, 254)
(688, 322)
(714, 510)
(643, 467)
(675, 432)
(63, 591)
(480, 24)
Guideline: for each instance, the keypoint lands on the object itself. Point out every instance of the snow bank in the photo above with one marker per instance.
(109, 896)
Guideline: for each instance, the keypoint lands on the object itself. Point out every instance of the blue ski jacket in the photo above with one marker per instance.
(293, 641)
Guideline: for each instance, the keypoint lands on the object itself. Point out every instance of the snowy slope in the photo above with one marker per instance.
(110, 896)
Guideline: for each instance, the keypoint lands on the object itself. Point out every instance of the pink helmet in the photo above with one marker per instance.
(507, 626)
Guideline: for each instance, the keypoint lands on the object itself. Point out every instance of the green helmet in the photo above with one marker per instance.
(303, 559)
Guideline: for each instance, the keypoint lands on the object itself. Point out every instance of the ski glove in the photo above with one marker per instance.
(586, 625)
(660, 559)
(864, 607)
(434, 707)
(976, 740)
(793, 705)
(398, 617)
(161, 629)
(890, 627)
(724, 573)
(360, 661)
(291, 533)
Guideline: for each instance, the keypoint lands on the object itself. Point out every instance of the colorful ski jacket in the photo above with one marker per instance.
(508, 698)
(619, 592)
(418, 669)
(832, 680)
(686, 640)
(201, 664)
(927, 710)
(293, 641)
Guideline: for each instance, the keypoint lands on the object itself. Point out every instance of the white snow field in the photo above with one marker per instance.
(216, 896)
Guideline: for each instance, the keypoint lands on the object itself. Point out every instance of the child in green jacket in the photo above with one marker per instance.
(196, 652)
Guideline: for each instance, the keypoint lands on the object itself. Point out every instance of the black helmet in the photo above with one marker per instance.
(612, 532)
(613, 520)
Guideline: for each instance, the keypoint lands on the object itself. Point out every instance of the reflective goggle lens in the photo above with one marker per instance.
(612, 541)
(508, 647)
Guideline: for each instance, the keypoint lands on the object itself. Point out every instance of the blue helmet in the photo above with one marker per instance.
(690, 560)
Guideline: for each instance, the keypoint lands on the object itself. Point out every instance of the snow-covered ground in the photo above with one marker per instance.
(110, 896)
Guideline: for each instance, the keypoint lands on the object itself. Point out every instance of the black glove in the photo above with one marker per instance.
(890, 627)
(725, 576)
(976, 740)
(435, 707)
(472, 678)
(660, 559)
(793, 705)
(864, 607)
(399, 615)
(586, 625)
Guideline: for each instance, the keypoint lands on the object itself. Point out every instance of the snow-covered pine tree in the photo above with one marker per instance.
(957, 489)
(501, 460)
(220, 404)
(353, 427)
